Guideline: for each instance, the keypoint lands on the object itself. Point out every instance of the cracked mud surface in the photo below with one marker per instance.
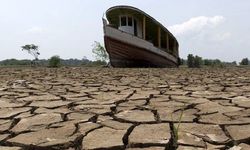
(107, 108)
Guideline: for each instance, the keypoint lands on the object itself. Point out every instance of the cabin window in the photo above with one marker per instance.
(124, 21)
(128, 24)
(130, 21)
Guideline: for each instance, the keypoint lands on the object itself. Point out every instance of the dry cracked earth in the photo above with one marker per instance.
(107, 108)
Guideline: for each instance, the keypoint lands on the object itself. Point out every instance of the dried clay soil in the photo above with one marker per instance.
(108, 108)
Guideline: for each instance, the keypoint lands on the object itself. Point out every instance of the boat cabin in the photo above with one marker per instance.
(130, 25)
(137, 23)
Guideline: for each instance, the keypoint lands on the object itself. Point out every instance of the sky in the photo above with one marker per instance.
(68, 28)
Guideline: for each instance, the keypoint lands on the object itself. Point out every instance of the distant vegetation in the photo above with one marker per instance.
(102, 58)
(45, 62)
(32, 49)
(55, 62)
(194, 61)
(100, 53)
(244, 61)
(198, 62)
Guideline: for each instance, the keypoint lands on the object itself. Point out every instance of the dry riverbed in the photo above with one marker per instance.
(107, 108)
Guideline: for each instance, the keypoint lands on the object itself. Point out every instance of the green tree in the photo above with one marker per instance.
(190, 61)
(194, 61)
(100, 52)
(234, 63)
(217, 62)
(197, 62)
(208, 62)
(54, 62)
(32, 50)
(244, 61)
(183, 62)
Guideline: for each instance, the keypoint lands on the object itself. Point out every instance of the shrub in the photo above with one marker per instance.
(183, 61)
(190, 61)
(194, 62)
(54, 62)
(208, 62)
(197, 62)
(244, 61)
(96, 63)
(100, 52)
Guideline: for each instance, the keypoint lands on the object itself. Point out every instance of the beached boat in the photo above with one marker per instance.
(135, 39)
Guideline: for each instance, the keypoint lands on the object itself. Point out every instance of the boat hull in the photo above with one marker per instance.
(123, 54)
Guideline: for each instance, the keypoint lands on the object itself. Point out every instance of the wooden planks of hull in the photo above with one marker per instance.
(126, 55)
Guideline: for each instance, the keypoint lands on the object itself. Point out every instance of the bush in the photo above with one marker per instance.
(190, 61)
(197, 62)
(54, 62)
(208, 62)
(194, 61)
(244, 61)
(100, 52)
(183, 61)
(96, 63)
(217, 63)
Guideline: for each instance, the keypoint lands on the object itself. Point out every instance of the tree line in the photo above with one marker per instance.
(98, 50)
(102, 59)
(197, 62)
(54, 61)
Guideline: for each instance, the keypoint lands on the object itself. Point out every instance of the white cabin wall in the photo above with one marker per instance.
(130, 29)
(127, 29)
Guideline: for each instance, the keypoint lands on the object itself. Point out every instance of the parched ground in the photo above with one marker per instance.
(107, 108)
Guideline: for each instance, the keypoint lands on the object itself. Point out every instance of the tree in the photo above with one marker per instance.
(54, 62)
(217, 62)
(234, 63)
(208, 62)
(190, 61)
(100, 52)
(197, 62)
(194, 61)
(183, 61)
(244, 61)
(32, 50)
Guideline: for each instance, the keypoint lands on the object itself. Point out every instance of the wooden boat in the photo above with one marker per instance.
(135, 39)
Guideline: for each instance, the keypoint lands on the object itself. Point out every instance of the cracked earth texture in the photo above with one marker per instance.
(107, 108)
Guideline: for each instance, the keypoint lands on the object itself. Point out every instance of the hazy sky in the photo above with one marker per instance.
(68, 28)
